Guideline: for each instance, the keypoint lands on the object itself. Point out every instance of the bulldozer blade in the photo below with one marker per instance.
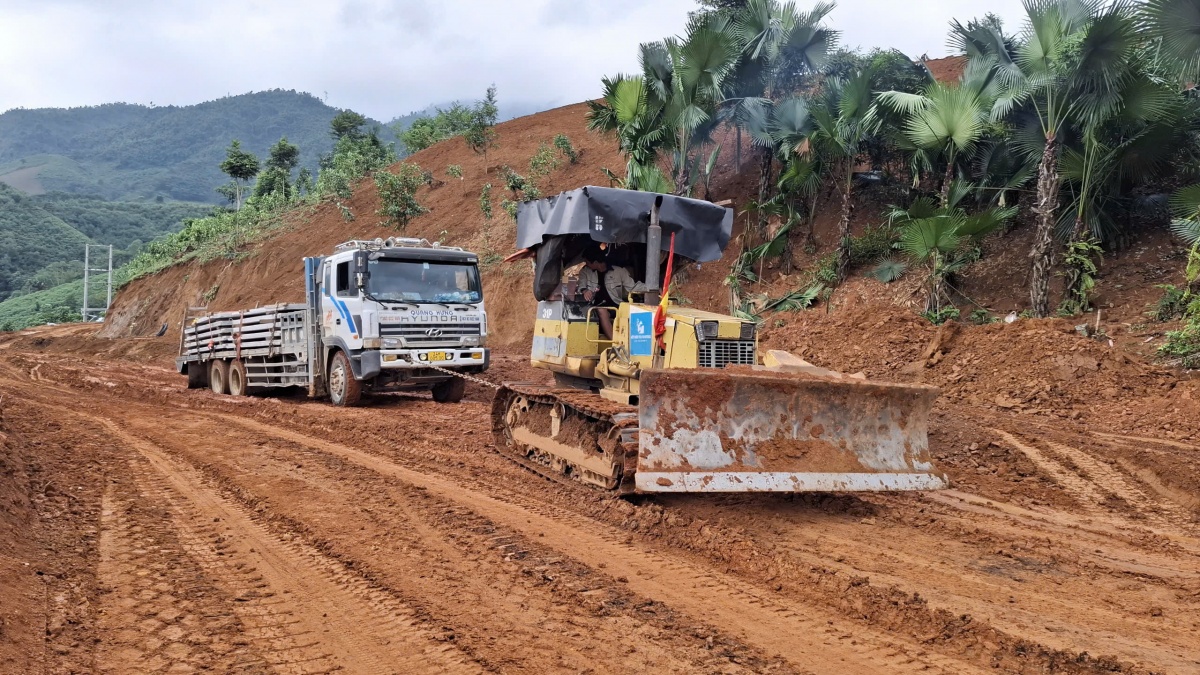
(743, 430)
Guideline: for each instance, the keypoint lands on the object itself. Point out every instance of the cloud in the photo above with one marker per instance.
(380, 57)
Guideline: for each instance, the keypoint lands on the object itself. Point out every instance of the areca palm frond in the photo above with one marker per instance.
(1175, 24)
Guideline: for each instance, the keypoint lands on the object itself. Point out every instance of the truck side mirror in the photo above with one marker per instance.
(360, 269)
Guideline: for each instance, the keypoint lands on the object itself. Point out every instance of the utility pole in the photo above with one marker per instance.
(89, 312)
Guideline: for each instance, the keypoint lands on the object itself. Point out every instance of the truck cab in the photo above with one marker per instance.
(399, 314)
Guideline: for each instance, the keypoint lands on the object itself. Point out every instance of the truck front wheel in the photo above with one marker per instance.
(450, 391)
(344, 390)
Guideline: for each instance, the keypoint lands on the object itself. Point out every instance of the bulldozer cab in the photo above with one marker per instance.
(626, 229)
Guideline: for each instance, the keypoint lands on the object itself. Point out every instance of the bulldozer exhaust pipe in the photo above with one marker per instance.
(653, 251)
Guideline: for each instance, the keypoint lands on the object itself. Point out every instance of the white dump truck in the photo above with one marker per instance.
(383, 314)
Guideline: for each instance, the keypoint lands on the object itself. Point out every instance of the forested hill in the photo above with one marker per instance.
(42, 237)
(132, 152)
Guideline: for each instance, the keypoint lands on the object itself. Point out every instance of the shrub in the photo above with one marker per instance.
(543, 161)
(564, 146)
(398, 194)
(875, 244)
(485, 201)
(510, 207)
(1171, 305)
(941, 316)
(454, 171)
(982, 317)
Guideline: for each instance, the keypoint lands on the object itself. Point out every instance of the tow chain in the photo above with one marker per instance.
(464, 376)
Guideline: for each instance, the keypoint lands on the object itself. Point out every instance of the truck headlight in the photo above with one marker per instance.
(707, 330)
(370, 343)
(391, 343)
(471, 340)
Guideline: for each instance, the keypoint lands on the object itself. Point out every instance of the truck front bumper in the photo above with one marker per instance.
(451, 357)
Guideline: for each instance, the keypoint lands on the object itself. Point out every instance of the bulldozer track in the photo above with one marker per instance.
(617, 420)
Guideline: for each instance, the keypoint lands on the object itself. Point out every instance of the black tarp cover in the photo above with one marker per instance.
(614, 216)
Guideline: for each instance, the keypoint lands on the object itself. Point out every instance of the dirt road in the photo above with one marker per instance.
(156, 529)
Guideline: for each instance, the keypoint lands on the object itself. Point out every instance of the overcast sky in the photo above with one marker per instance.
(382, 58)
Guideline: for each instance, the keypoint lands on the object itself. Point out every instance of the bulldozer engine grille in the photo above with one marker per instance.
(428, 334)
(721, 353)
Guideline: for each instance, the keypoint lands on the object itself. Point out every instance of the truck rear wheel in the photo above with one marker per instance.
(450, 391)
(237, 378)
(344, 390)
(197, 376)
(218, 376)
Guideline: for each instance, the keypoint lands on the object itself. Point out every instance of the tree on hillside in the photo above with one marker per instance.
(479, 134)
(358, 152)
(276, 177)
(241, 167)
(347, 124)
(949, 118)
(446, 123)
(843, 118)
(1064, 70)
(776, 42)
(672, 105)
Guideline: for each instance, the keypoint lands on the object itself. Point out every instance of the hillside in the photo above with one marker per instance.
(125, 151)
(41, 245)
(270, 270)
(31, 238)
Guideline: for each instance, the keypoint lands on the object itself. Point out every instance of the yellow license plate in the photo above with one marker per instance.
(438, 356)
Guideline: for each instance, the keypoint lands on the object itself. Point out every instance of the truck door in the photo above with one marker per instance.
(341, 314)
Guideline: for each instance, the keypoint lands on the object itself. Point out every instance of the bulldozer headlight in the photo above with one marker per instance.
(748, 330)
(707, 330)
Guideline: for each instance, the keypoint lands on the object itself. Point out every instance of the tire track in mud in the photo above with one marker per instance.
(1165, 513)
(1094, 490)
(807, 637)
(307, 613)
(472, 473)
(159, 611)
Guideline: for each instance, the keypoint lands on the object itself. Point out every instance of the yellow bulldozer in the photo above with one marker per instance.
(676, 399)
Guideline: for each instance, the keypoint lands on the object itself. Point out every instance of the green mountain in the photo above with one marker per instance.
(128, 152)
(31, 239)
(42, 237)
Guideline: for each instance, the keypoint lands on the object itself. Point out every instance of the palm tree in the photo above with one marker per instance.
(939, 237)
(1064, 68)
(948, 118)
(628, 112)
(1175, 26)
(775, 40)
(671, 106)
(843, 118)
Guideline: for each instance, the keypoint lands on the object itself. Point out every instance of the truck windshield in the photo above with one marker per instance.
(423, 281)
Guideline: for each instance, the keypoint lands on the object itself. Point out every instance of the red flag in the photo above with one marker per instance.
(660, 314)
